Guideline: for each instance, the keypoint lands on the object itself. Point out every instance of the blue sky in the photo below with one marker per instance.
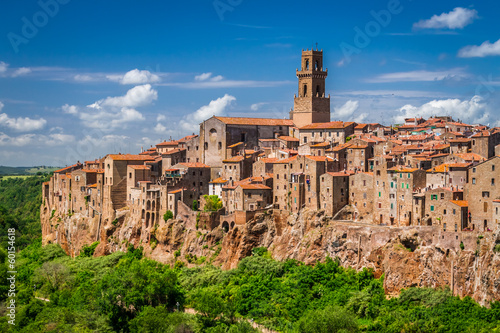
(79, 79)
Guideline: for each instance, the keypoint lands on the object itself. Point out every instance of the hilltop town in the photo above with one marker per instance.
(427, 185)
(434, 171)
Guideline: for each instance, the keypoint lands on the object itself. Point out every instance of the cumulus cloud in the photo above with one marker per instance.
(21, 124)
(135, 97)
(161, 117)
(135, 76)
(474, 110)
(458, 18)
(214, 108)
(114, 112)
(347, 112)
(484, 50)
(159, 129)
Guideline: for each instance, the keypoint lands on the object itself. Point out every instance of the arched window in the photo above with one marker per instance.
(307, 64)
(318, 93)
(305, 90)
(316, 65)
(213, 132)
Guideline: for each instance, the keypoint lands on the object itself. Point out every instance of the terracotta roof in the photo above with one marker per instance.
(358, 146)
(321, 144)
(287, 160)
(234, 159)
(460, 140)
(361, 126)
(471, 157)
(173, 151)
(195, 165)
(330, 125)
(445, 167)
(219, 180)
(187, 138)
(235, 145)
(130, 157)
(402, 169)
(140, 167)
(66, 169)
(176, 191)
(288, 138)
(92, 170)
(341, 173)
(255, 121)
(167, 144)
(171, 170)
(340, 147)
(269, 140)
(319, 158)
(461, 203)
(254, 187)
(269, 160)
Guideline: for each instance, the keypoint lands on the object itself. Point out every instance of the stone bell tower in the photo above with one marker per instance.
(311, 105)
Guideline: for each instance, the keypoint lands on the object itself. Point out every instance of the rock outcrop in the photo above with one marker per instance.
(407, 256)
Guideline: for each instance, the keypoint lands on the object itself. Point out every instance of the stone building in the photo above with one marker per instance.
(311, 105)
(334, 191)
(361, 195)
(448, 175)
(481, 191)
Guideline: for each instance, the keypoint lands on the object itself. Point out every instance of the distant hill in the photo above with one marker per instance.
(6, 170)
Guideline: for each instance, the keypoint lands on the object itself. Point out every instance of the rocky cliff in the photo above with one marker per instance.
(408, 256)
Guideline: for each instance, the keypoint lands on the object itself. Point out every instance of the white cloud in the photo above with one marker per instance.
(483, 50)
(56, 139)
(458, 18)
(114, 112)
(135, 76)
(3, 67)
(21, 71)
(420, 76)
(137, 96)
(83, 78)
(257, 106)
(346, 110)
(161, 117)
(214, 108)
(474, 110)
(21, 124)
(202, 77)
(159, 129)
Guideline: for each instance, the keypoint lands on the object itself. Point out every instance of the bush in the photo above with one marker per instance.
(497, 248)
(88, 251)
(329, 320)
(213, 203)
(462, 246)
(168, 215)
(195, 205)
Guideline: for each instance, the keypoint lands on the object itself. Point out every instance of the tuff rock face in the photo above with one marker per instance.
(408, 256)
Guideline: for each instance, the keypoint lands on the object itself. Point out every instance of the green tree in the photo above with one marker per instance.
(328, 320)
(168, 215)
(212, 203)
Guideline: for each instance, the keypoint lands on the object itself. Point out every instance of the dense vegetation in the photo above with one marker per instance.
(20, 201)
(125, 292)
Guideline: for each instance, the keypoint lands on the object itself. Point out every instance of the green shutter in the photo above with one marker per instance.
(432, 208)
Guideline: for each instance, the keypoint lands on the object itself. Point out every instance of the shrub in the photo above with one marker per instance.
(213, 203)
(88, 251)
(115, 222)
(497, 248)
(195, 205)
(177, 253)
(462, 246)
(168, 215)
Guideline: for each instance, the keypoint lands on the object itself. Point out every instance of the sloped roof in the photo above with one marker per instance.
(255, 121)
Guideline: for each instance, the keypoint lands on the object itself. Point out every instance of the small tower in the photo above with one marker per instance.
(311, 105)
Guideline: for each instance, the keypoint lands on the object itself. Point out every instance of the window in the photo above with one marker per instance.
(364, 197)
(220, 145)
(486, 194)
(305, 139)
(392, 206)
(432, 208)
(485, 207)
(379, 205)
(379, 194)
(277, 176)
(442, 195)
(493, 167)
(492, 181)
(444, 212)
(364, 182)
(400, 175)
(474, 181)
(305, 90)
(392, 185)
(474, 170)
(206, 145)
(409, 175)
